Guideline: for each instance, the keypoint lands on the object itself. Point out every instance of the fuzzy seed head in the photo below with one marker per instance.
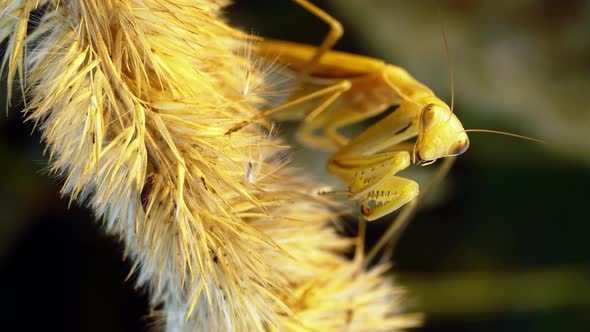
(133, 99)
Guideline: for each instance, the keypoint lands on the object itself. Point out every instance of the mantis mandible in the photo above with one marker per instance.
(356, 88)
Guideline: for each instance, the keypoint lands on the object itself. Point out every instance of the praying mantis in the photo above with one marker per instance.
(356, 88)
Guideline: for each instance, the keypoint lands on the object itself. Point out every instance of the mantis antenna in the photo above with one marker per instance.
(504, 133)
(452, 81)
(450, 62)
(443, 29)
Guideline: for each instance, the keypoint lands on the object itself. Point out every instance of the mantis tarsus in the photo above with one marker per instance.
(356, 88)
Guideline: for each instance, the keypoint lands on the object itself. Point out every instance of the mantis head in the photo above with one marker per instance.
(440, 134)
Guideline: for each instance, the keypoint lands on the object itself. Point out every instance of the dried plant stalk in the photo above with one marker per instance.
(133, 99)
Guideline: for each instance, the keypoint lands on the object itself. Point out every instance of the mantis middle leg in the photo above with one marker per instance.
(328, 95)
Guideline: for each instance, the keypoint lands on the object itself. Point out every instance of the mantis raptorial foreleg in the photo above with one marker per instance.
(370, 172)
(398, 126)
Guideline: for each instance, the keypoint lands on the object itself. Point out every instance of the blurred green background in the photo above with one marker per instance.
(502, 246)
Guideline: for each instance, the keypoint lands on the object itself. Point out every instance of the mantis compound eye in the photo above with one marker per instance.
(429, 116)
(460, 146)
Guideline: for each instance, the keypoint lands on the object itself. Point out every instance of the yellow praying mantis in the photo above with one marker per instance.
(356, 88)
(349, 88)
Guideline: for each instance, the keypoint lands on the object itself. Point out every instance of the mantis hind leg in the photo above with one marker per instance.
(331, 38)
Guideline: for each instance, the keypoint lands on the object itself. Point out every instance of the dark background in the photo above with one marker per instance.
(502, 246)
